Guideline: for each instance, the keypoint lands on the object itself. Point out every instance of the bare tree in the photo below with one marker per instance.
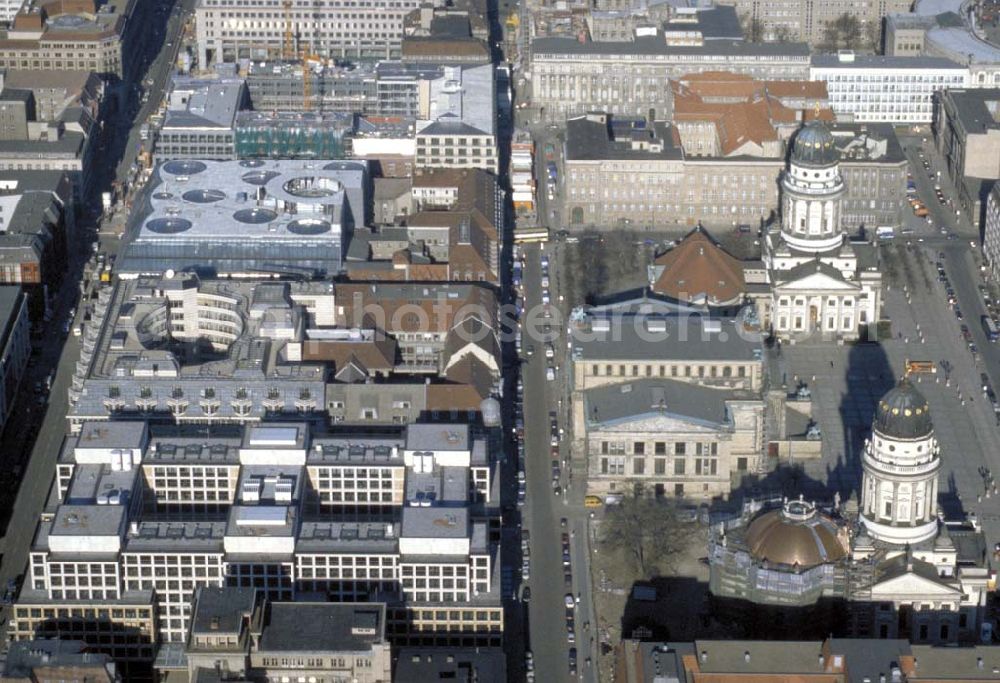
(844, 32)
(648, 531)
(754, 27)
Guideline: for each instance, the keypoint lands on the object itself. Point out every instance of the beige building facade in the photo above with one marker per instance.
(609, 185)
(668, 438)
(630, 78)
(806, 20)
(104, 42)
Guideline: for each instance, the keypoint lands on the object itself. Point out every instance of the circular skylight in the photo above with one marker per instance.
(168, 226)
(204, 196)
(309, 226)
(344, 166)
(184, 167)
(251, 163)
(312, 186)
(255, 216)
(259, 177)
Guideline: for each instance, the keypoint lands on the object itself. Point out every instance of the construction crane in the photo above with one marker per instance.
(287, 43)
(306, 83)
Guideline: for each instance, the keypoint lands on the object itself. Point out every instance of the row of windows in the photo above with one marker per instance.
(660, 448)
(622, 370)
(703, 466)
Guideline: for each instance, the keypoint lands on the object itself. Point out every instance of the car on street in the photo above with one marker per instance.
(526, 594)
(572, 661)
(569, 601)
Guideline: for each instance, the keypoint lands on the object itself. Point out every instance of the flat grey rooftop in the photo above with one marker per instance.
(657, 46)
(222, 610)
(113, 434)
(177, 536)
(322, 627)
(348, 537)
(442, 485)
(683, 338)
(589, 139)
(462, 98)
(88, 520)
(356, 450)
(435, 522)
(211, 196)
(437, 437)
(204, 103)
(481, 664)
(861, 61)
(977, 109)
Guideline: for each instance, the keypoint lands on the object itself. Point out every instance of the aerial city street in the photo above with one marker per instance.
(499, 340)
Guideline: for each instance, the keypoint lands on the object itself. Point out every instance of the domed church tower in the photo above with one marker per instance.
(821, 281)
(901, 464)
(812, 189)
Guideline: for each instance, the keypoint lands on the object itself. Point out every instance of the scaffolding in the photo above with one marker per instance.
(295, 137)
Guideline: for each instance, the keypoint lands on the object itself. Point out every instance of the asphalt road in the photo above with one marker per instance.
(62, 352)
(547, 611)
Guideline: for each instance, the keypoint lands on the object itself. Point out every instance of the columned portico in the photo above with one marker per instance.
(816, 281)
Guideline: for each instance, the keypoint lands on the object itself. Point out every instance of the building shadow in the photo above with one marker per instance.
(868, 376)
(685, 610)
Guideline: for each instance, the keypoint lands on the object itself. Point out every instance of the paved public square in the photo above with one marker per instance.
(846, 382)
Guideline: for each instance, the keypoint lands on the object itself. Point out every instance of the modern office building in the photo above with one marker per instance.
(385, 88)
(248, 218)
(630, 78)
(179, 349)
(991, 231)
(967, 134)
(630, 173)
(200, 119)
(53, 35)
(141, 519)
(229, 30)
(457, 127)
(874, 88)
